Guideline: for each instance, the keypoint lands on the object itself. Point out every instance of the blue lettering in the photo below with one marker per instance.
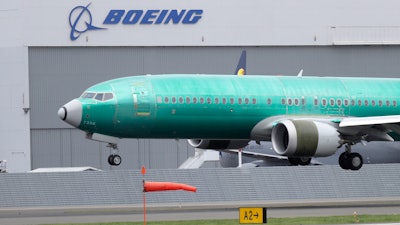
(153, 16)
(192, 16)
(114, 16)
(150, 14)
(161, 16)
(175, 16)
(136, 16)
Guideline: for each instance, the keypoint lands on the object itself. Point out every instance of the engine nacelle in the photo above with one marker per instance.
(218, 144)
(304, 138)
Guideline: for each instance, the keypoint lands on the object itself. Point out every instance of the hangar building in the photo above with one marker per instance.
(51, 51)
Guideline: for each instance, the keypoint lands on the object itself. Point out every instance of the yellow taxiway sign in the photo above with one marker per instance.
(253, 215)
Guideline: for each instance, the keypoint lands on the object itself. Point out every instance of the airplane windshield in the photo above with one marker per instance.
(98, 96)
(88, 95)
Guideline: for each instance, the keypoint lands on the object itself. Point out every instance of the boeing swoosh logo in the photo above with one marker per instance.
(80, 20)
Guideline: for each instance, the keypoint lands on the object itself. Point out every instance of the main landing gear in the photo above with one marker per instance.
(302, 161)
(350, 160)
(114, 159)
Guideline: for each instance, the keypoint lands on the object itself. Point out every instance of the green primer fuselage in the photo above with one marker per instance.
(193, 106)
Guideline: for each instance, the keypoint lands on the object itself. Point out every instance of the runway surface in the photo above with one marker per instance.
(126, 213)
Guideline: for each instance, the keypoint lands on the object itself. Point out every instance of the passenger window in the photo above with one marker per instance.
(332, 102)
(254, 100)
(359, 102)
(303, 101)
(166, 99)
(216, 100)
(296, 101)
(187, 100)
(201, 100)
(174, 100)
(181, 100)
(353, 102)
(232, 101)
(380, 103)
(269, 101)
(289, 101)
(283, 101)
(387, 103)
(339, 102)
(246, 101)
(315, 101)
(240, 100)
(223, 100)
(394, 103)
(159, 99)
(366, 102)
(194, 100)
(209, 100)
(373, 103)
(324, 102)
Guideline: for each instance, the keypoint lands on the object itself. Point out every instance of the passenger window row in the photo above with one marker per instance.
(209, 100)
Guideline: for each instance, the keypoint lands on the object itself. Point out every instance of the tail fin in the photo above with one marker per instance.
(241, 67)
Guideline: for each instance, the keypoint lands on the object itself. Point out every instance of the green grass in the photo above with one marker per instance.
(360, 219)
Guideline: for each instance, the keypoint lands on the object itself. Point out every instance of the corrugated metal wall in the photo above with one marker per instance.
(59, 74)
(214, 186)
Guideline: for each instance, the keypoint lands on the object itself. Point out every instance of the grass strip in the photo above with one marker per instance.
(359, 219)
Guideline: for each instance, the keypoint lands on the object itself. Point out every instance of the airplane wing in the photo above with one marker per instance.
(265, 157)
(373, 128)
(310, 136)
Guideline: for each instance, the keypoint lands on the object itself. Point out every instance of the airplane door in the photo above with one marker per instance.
(141, 101)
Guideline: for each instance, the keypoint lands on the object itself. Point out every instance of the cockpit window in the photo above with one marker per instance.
(98, 96)
(108, 96)
(88, 95)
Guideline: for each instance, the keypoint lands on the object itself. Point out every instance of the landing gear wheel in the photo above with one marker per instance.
(303, 161)
(114, 160)
(350, 161)
(293, 161)
(343, 160)
(355, 161)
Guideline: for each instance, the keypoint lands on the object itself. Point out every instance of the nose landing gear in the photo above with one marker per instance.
(114, 159)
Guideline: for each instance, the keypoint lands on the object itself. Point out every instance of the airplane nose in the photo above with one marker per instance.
(71, 113)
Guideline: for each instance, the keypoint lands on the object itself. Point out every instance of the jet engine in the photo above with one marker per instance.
(304, 138)
(217, 144)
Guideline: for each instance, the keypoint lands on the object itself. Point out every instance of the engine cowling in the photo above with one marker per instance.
(304, 138)
(218, 144)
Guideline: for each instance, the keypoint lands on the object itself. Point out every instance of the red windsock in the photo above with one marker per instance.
(166, 186)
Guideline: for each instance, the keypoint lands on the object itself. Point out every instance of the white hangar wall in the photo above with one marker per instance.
(48, 55)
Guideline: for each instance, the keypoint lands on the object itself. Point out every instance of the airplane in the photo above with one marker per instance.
(302, 116)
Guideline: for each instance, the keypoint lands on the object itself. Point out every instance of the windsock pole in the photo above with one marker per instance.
(144, 196)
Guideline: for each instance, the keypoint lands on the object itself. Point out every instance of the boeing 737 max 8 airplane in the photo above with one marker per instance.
(301, 116)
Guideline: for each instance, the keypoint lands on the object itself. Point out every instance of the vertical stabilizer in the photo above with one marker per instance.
(241, 67)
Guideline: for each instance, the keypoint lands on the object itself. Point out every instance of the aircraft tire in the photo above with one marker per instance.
(110, 159)
(114, 160)
(304, 161)
(293, 161)
(343, 161)
(355, 161)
